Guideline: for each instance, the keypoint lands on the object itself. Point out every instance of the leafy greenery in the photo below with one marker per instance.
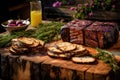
(45, 31)
(48, 32)
(107, 57)
(86, 8)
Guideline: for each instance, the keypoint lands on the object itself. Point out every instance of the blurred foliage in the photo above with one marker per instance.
(45, 31)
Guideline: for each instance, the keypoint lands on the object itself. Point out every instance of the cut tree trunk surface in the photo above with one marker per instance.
(43, 67)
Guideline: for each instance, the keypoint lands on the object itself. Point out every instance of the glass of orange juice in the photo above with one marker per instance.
(35, 13)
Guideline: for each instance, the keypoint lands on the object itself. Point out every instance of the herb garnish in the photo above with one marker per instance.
(108, 58)
(45, 31)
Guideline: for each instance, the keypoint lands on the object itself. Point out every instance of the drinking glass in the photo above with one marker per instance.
(35, 13)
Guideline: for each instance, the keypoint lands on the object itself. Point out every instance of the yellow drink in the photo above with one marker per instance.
(36, 18)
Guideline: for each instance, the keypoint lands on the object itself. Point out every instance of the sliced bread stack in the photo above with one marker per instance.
(67, 50)
(25, 45)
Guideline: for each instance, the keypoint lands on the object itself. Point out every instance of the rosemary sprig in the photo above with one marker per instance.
(45, 31)
(108, 58)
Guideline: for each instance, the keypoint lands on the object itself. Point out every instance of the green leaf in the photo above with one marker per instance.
(108, 58)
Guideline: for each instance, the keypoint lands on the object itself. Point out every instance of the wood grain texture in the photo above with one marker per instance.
(43, 67)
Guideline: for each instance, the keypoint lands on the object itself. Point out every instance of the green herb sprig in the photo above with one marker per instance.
(108, 58)
(48, 32)
(45, 31)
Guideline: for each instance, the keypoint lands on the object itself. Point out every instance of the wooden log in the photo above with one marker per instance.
(43, 67)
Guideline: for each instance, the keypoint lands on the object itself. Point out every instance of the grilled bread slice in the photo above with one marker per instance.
(54, 50)
(62, 55)
(42, 43)
(19, 49)
(65, 46)
(26, 41)
(35, 43)
(56, 55)
(31, 42)
(80, 54)
(84, 59)
(12, 51)
(67, 49)
(79, 49)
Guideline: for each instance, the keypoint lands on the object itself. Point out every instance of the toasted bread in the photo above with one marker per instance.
(19, 50)
(35, 43)
(85, 59)
(80, 54)
(12, 51)
(26, 41)
(31, 42)
(57, 55)
(54, 50)
(79, 49)
(42, 43)
(66, 46)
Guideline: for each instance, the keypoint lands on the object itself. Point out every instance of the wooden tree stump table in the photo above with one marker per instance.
(43, 67)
